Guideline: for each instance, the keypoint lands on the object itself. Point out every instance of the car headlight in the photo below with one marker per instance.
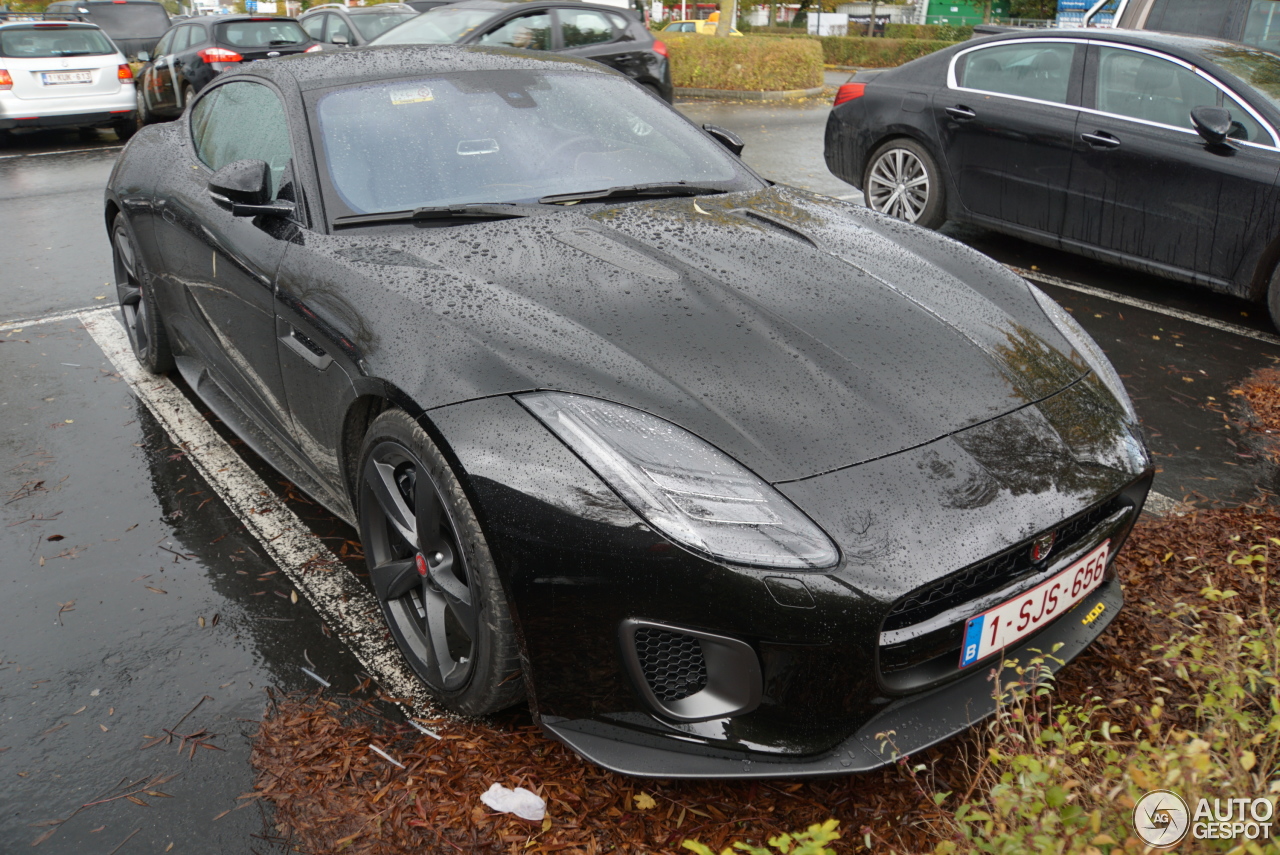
(1087, 347)
(683, 487)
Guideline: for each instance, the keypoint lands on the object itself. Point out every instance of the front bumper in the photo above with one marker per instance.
(912, 723)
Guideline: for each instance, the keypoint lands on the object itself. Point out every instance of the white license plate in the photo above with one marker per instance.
(1015, 619)
(56, 78)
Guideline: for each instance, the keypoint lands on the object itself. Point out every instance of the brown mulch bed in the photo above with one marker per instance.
(1261, 417)
(332, 793)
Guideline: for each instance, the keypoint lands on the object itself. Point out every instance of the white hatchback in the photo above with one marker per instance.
(63, 74)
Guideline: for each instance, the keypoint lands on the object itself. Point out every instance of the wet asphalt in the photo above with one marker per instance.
(134, 605)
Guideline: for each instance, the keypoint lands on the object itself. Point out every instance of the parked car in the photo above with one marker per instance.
(602, 33)
(426, 5)
(193, 53)
(134, 25)
(338, 24)
(63, 74)
(1254, 22)
(727, 477)
(1152, 151)
(705, 28)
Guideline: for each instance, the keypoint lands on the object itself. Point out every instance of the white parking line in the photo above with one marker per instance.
(1222, 326)
(342, 600)
(87, 311)
(62, 151)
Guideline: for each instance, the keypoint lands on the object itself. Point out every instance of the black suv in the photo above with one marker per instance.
(336, 24)
(134, 25)
(191, 54)
(607, 34)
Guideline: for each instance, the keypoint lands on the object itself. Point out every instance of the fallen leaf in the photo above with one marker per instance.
(155, 590)
(644, 801)
(55, 537)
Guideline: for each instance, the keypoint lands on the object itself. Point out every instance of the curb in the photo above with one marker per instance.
(740, 95)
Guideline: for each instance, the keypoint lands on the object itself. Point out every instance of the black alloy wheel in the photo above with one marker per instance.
(903, 181)
(141, 320)
(142, 115)
(188, 94)
(432, 572)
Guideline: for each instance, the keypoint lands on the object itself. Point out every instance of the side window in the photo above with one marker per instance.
(532, 32)
(181, 38)
(1262, 27)
(338, 27)
(1189, 16)
(314, 26)
(163, 46)
(1040, 70)
(619, 23)
(584, 27)
(199, 35)
(1147, 87)
(246, 121)
(1243, 126)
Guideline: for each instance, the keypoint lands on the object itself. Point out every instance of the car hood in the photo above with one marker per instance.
(795, 332)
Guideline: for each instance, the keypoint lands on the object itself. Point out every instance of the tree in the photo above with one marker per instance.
(728, 13)
(871, 24)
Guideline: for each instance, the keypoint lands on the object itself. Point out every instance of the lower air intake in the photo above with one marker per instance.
(672, 662)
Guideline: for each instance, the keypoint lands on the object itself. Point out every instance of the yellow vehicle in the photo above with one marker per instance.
(706, 28)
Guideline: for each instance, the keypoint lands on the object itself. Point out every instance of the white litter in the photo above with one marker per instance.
(519, 801)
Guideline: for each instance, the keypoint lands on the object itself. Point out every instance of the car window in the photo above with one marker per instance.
(532, 32)
(181, 38)
(1040, 70)
(314, 26)
(268, 33)
(130, 20)
(619, 22)
(54, 41)
(1244, 126)
(243, 121)
(1258, 68)
(1147, 87)
(163, 46)
(1262, 26)
(580, 27)
(442, 25)
(1201, 17)
(337, 27)
(505, 137)
(198, 36)
(373, 24)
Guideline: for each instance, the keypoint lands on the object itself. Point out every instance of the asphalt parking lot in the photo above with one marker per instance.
(143, 606)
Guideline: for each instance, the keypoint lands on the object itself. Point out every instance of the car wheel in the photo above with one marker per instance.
(125, 129)
(432, 572)
(141, 320)
(1273, 297)
(142, 116)
(903, 181)
(188, 93)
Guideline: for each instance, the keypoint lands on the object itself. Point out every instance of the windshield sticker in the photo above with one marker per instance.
(411, 95)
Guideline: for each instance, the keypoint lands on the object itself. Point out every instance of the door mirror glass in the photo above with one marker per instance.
(144, 56)
(1212, 123)
(728, 139)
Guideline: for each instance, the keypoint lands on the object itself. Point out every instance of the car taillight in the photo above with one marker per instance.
(660, 49)
(848, 92)
(124, 72)
(314, 48)
(6, 82)
(217, 54)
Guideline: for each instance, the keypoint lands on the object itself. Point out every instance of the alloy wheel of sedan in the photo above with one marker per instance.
(146, 333)
(902, 182)
(444, 607)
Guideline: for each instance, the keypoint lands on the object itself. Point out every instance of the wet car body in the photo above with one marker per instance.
(1144, 191)
(907, 394)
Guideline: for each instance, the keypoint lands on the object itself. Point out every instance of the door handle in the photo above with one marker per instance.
(307, 349)
(1101, 140)
(961, 113)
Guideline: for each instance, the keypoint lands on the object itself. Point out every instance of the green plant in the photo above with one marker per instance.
(812, 841)
(750, 63)
(876, 53)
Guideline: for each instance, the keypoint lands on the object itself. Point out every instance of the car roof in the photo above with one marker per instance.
(309, 71)
(1177, 44)
(210, 20)
(83, 25)
(502, 5)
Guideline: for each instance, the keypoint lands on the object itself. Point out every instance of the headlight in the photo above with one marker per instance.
(1088, 348)
(688, 490)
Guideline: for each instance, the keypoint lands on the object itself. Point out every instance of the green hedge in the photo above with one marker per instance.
(931, 32)
(747, 64)
(876, 53)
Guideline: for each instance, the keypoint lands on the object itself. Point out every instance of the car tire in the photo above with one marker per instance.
(137, 307)
(903, 181)
(124, 130)
(142, 115)
(440, 594)
(1273, 297)
(188, 93)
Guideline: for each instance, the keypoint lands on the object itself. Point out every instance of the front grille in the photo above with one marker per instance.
(992, 574)
(672, 662)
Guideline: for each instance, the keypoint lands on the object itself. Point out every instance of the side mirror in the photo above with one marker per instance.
(1212, 123)
(340, 39)
(244, 188)
(728, 139)
(144, 56)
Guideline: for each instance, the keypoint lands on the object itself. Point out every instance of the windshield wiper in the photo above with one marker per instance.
(494, 211)
(659, 189)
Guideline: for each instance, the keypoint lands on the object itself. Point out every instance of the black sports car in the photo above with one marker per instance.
(1154, 151)
(724, 477)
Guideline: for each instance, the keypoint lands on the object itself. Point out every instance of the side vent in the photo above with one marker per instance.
(689, 675)
(673, 664)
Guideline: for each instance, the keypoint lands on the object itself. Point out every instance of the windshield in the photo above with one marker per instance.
(271, 32)
(440, 26)
(1259, 68)
(373, 24)
(130, 20)
(507, 136)
(54, 41)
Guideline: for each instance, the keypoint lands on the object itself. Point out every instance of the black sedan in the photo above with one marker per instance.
(1155, 151)
(605, 34)
(724, 477)
(191, 54)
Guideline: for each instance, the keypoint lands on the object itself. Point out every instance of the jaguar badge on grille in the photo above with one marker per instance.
(1042, 546)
